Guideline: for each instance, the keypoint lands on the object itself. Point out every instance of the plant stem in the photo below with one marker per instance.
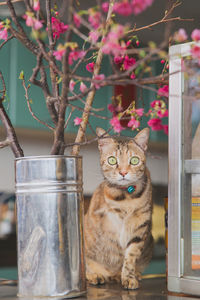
(91, 94)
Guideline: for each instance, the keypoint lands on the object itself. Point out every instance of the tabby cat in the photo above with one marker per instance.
(117, 231)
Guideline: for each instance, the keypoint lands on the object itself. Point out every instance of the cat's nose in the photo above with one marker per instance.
(123, 173)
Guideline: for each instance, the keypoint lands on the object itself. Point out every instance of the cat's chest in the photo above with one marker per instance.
(117, 221)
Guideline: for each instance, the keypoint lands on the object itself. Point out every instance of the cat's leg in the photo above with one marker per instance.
(130, 276)
(96, 273)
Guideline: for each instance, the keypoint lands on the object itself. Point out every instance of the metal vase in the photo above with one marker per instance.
(50, 226)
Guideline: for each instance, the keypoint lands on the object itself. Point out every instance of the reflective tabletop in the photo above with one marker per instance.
(151, 289)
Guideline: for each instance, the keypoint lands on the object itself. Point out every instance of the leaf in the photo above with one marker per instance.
(142, 53)
(83, 12)
(21, 75)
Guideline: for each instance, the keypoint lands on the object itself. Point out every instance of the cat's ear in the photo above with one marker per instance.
(142, 138)
(104, 138)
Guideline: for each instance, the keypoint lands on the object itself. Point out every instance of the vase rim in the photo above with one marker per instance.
(46, 156)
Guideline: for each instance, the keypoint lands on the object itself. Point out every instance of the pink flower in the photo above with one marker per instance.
(165, 128)
(195, 35)
(36, 5)
(155, 124)
(162, 113)
(37, 24)
(75, 55)
(139, 6)
(99, 78)
(180, 36)
(195, 51)
(123, 8)
(77, 121)
(164, 91)
(139, 112)
(128, 62)
(77, 20)
(133, 76)
(118, 60)
(112, 44)
(3, 34)
(93, 35)
(116, 124)
(90, 67)
(94, 18)
(111, 108)
(58, 27)
(59, 53)
(133, 123)
(83, 87)
(114, 48)
(105, 6)
(29, 20)
(72, 84)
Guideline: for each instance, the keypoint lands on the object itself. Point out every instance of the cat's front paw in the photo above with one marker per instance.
(130, 283)
(95, 278)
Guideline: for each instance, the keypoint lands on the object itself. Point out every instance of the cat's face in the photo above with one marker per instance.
(123, 163)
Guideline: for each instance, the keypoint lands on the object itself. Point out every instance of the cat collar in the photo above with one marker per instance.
(130, 189)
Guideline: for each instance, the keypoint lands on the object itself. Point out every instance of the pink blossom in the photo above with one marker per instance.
(83, 87)
(58, 27)
(37, 24)
(90, 67)
(75, 55)
(113, 48)
(118, 60)
(155, 124)
(94, 18)
(165, 128)
(195, 35)
(4, 34)
(72, 84)
(195, 51)
(164, 91)
(139, 112)
(155, 103)
(29, 20)
(77, 121)
(93, 35)
(77, 20)
(128, 62)
(99, 78)
(112, 43)
(123, 8)
(105, 6)
(180, 36)
(111, 108)
(133, 123)
(116, 124)
(59, 53)
(139, 6)
(133, 76)
(36, 5)
(162, 113)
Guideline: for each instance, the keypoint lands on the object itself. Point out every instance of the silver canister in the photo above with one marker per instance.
(50, 227)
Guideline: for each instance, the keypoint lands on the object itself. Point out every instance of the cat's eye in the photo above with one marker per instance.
(134, 160)
(112, 160)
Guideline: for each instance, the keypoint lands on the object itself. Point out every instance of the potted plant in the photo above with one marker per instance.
(47, 186)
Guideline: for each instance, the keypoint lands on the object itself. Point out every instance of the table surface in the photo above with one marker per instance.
(151, 289)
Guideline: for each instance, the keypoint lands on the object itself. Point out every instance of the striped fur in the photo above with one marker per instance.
(118, 240)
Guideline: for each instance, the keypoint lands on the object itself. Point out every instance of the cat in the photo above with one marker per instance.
(117, 225)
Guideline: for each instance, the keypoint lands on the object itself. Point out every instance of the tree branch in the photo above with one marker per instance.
(90, 97)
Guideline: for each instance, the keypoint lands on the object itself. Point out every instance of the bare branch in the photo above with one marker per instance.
(5, 143)
(30, 109)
